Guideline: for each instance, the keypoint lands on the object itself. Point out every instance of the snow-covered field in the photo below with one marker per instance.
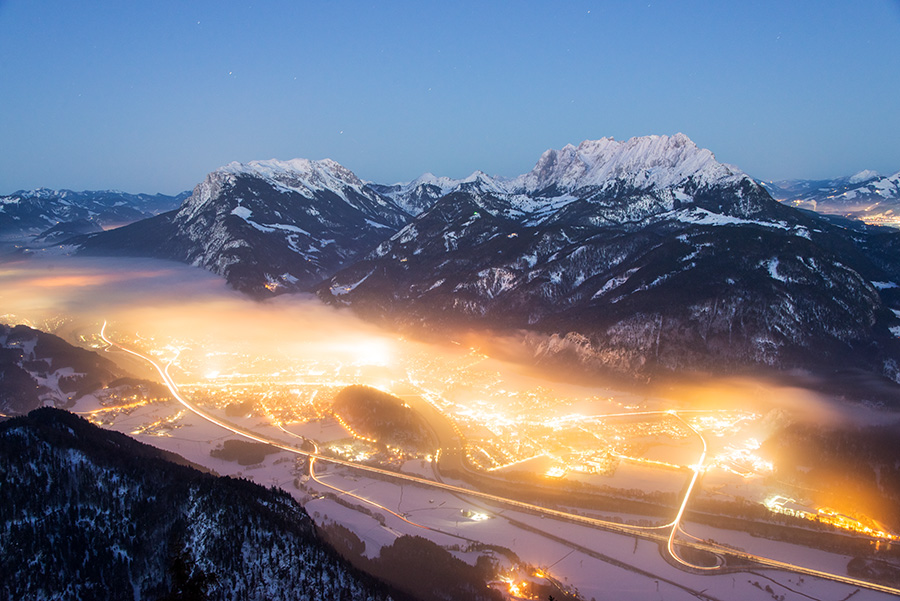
(598, 564)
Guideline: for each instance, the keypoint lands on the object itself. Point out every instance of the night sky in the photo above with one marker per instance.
(150, 96)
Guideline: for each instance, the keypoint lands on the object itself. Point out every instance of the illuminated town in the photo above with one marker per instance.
(510, 427)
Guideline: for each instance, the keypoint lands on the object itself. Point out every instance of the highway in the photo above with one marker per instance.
(627, 530)
(676, 524)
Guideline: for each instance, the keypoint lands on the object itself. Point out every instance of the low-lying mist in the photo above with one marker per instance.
(73, 296)
(213, 334)
(166, 299)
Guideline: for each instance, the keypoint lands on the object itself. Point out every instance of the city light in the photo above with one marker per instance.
(501, 425)
(826, 515)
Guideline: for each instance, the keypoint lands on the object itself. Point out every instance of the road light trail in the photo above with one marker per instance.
(676, 526)
(604, 416)
(601, 524)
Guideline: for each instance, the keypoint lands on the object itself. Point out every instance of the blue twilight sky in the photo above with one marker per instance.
(150, 96)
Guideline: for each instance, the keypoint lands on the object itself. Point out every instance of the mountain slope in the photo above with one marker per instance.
(90, 513)
(58, 214)
(266, 226)
(38, 368)
(639, 256)
(419, 194)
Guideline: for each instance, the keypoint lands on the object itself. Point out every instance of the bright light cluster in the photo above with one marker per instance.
(505, 426)
(744, 461)
(825, 515)
(721, 423)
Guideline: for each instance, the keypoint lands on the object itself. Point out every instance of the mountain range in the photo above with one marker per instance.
(637, 257)
(867, 196)
(55, 215)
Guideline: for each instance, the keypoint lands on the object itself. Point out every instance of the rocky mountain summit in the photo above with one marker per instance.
(266, 226)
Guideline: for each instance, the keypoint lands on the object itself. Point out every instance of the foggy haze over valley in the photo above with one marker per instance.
(450, 301)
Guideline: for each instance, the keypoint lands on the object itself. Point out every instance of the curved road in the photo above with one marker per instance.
(676, 525)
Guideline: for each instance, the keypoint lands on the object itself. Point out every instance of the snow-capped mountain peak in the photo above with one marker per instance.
(268, 226)
(421, 193)
(478, 175)
(443, 183)
(304, 177)
(864, 176)
(643, 162)
(318, 174)
(447, 184)
(668, 167)
(430, 179)
(486, 183)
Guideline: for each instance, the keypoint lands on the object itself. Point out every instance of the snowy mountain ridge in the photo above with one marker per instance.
(649, 163)
(108, 198)
(51, 215)
(308, 173)
(874, 185)
(305, 177)
(265, 226)
(421, 193)
(276, 225)
(642, 162)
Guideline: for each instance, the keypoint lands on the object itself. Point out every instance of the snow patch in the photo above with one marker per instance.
(614, 283)
(773, 270)
(245, 213)
(703, 217)
(242, 212)
(340, 290)
(802, 232)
